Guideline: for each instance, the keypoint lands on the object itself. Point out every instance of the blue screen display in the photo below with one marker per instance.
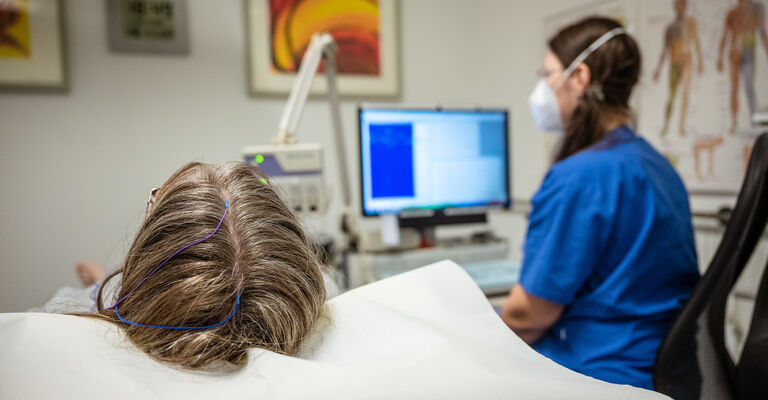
(391, 147)
(415, 159)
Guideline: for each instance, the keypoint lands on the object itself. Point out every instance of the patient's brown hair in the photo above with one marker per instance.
(260, 250)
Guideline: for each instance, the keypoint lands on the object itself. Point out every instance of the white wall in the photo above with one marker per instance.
(75, 169)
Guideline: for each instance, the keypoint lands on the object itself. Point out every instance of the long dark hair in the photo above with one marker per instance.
(614, 67)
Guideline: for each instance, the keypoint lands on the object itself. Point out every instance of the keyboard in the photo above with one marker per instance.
(494, 276)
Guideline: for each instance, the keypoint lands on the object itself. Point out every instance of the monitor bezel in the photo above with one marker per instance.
(439, 213)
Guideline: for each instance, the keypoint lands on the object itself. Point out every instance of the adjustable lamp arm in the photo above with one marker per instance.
(322, 46)
(318, 46)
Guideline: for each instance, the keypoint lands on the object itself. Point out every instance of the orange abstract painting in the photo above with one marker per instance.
(14, 29)
(354, 25)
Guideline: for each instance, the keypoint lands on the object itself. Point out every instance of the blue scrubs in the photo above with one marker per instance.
(610, 237)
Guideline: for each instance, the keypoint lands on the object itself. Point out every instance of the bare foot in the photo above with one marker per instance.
(90, 273)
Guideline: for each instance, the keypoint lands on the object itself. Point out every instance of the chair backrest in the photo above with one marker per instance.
(692, 361)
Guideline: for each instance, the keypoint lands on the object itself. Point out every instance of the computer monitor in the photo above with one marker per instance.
(433, 166)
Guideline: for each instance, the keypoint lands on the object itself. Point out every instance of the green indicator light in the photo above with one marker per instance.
(264, 181)
(259, 158)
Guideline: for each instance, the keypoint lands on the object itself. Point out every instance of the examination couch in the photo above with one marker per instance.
(425, 334)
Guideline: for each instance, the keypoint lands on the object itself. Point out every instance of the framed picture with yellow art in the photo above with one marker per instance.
(279, 31)
(32, 45)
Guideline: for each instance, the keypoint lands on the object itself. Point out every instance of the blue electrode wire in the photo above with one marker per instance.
(181, 327)
(237, 304)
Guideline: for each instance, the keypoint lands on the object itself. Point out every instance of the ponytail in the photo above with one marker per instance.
(615, 69)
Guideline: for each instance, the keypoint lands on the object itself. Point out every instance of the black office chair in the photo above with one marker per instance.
(692, 361)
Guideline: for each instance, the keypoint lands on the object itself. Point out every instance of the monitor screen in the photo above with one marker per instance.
(433, 159)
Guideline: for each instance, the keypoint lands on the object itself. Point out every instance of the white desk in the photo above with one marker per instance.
(487, 263)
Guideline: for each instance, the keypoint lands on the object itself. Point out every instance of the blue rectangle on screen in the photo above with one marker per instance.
(391, 160)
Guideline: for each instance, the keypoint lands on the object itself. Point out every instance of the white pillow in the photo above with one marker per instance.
(428, 333)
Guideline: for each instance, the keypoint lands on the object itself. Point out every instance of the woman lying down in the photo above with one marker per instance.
(218, 266)
(223, 287)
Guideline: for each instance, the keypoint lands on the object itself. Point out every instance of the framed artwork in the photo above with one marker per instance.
(279, 31)
(32, 45)
(148, 26)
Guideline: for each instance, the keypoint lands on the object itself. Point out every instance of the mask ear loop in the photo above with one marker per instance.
(237, 304)
(586, 52)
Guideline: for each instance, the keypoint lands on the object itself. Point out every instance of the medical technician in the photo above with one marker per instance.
(609, 257)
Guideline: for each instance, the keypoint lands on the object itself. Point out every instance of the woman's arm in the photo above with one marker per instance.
(529, 316)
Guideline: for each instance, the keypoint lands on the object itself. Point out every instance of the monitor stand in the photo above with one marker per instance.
(426, 224)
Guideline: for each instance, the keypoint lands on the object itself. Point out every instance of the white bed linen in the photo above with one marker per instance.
(428, 333)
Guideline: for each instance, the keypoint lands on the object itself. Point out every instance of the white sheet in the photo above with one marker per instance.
(428, 333)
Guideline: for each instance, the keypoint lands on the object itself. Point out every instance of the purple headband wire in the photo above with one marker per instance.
(226, 203)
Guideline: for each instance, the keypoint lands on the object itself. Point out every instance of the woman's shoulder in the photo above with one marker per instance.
(589, 164)
(582, 175)
(618, 148)
(629, 165)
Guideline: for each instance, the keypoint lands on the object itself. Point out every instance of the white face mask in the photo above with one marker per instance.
(545, 109)
(542, 101)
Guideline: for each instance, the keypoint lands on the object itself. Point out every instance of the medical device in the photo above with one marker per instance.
(433, 166)
(298, 167)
